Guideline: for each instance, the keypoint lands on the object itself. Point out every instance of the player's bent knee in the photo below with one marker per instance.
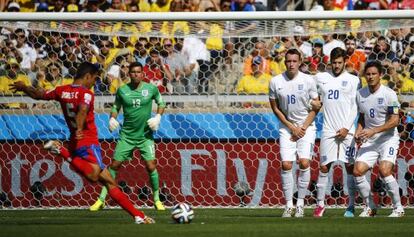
(385, 172)
(357, 173)
(359, 169)
(286, 166)
(304, 164)
(115, 166)
(151, 166)
(324, 169)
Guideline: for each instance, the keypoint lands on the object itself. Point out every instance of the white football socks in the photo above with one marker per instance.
(303, 183)
(321, 187)
(365, 190)
(287, 184)
(393, 190)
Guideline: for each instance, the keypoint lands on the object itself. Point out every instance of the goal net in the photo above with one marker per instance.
(218, 129)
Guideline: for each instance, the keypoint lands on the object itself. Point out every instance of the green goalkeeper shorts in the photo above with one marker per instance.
(125, 149)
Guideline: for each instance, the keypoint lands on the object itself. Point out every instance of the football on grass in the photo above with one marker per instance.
(182, 213)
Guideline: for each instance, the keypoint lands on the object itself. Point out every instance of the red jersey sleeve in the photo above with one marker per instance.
(86, 98)
(51, 94)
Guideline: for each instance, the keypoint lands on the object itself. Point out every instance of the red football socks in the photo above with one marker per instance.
(124, 202)
(64, 152)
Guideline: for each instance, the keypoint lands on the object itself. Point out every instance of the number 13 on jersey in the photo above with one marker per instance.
(136, 103)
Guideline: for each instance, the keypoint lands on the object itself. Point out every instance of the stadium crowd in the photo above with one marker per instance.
(188, 65)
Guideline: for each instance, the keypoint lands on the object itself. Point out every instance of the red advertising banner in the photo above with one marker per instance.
(202, 174)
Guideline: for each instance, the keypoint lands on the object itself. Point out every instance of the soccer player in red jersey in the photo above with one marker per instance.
(84, 153)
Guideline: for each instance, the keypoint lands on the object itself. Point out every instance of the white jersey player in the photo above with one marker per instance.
(377, 131)
(337, 90)
(289, 96)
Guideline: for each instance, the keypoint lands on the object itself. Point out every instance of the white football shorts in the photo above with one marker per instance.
(371, 152)
(332, 149)
(302, 148)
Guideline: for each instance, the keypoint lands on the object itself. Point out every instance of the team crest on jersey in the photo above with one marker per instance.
(144, 93)
(380, 101)
(344, 83)
(300, 87)
(87, 98)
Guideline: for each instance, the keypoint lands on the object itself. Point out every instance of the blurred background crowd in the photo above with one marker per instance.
(197, 65)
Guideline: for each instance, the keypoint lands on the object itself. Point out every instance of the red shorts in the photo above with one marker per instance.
(88, 152)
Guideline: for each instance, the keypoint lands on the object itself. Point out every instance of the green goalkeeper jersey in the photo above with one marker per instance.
(137, 106)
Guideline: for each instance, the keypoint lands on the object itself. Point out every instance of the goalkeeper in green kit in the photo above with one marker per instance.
(135, 99)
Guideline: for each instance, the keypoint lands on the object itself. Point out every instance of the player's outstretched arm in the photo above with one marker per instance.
(35, 93)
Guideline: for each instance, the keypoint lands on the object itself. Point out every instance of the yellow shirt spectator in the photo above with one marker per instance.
(277, 67)
(6, 82)
(177, 26)
(50, 85)
(407, 83)
(143, 27)
(115, 84)
(110, 57)
(254, 84)
(135, 29)
(26, 5)
(215, 41)
(157, 8)
(264, 65)
(144, 6)
(72, 8)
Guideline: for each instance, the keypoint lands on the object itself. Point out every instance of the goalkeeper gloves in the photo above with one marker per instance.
(154, 123)
(113, 124)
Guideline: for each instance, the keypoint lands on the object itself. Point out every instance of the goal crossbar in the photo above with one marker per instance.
(209, 16)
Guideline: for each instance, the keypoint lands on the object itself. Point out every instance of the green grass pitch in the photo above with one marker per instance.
(207, 222)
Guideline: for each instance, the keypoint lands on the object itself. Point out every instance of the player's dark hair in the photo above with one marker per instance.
(294, 51)
(85, 68)
(338, 53)
(134, 64)
(376, 64)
